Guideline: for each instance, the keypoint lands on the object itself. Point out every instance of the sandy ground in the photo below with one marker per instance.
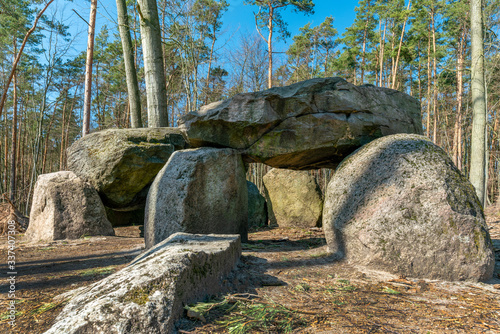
(281, 269)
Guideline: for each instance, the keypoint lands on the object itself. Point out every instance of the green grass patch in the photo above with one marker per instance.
(263, 318)
(98, 271)
(242, 315)
(44, 308)
(6, 315)
(391, 291)
(345, 285)
(303, 287)
(319, 255)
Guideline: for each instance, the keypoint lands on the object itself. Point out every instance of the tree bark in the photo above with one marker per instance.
(478, 138)
(399, 48)
(434, 80)
(47, 137)
(270, 48)
(363, 54)
(88, 69)
(134, 97)
(428, 125)
(156, 92)
(13, 159)
(457, 138)
(382, 51)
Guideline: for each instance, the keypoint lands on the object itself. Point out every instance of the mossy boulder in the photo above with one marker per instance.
(293, 198)
(122, 163)
(149, 295)
(307, 125)
(399, 204)
(257, 207)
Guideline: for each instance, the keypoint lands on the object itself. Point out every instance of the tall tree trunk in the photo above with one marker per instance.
(491, 164)
(13, 160)
(88, 69)
(6, 154)
(152, 51)
(134, 97)
(270, 48)
(210, 59)
(419, 73)
(434, 81)
(399, 48)
(62, 135)
(382, 47)
(97, 99)
(429, 72)
(478, 139)
(363, 53)
(47, 137)
(457, 138)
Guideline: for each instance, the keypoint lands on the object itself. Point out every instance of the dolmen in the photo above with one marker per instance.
(396, 202)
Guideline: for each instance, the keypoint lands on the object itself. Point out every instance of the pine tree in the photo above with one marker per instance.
(269, 17)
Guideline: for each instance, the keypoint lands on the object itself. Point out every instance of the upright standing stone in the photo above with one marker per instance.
(399, 204)
(66, 207)
(257, 208)
(294, 198)
(198, 191)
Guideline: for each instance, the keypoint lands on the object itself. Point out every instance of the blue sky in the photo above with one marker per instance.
(238, 17)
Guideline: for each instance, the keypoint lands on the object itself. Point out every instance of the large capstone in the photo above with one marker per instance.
(66, 207)
(122, 163)
(198, 191)
(307, 125)
(399, 204)
(148, 295)
(293, 198)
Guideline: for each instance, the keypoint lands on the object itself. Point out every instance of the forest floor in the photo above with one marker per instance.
(288, 283)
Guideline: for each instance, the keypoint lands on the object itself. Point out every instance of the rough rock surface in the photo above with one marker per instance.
(122, 163)
(198, 191)
(257, 208)
(399, 204)
(307, 125)
(65, 207)
(294, 198)
(148, 295)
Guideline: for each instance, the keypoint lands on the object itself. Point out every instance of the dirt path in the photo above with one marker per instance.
(288, 283)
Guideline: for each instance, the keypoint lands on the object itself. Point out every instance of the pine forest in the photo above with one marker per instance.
(420, 47)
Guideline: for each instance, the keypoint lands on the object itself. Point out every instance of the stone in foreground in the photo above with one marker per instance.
(308, 125)
(399, 204)
(294, 198)
(257, 208)
(148, 295)
(198, 191)
(122, 163)
(66, 207)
